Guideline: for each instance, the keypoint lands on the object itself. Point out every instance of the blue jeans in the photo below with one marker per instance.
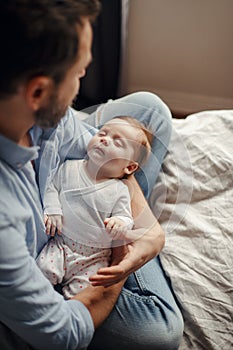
(146, 315)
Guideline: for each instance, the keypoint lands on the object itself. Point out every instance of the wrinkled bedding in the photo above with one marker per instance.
(193, 201)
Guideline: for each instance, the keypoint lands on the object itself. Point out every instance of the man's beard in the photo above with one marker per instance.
(50, 115)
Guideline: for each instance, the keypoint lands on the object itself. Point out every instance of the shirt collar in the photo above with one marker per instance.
(14, 155)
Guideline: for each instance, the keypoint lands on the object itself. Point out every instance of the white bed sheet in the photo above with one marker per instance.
(193, 200)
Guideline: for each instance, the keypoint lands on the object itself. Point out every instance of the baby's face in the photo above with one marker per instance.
(116, 145)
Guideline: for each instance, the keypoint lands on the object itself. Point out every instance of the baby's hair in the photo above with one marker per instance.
(146, 141)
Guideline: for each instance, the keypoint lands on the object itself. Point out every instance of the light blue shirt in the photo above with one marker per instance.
(29, 306)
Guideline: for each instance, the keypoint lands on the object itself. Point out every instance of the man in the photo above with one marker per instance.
(46, 47)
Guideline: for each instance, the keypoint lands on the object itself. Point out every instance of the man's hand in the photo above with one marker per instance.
(130, 257)
(53, 224)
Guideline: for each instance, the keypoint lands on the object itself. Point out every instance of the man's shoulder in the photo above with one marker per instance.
(7, 175)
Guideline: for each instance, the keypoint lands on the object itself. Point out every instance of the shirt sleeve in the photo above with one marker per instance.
(29, 305)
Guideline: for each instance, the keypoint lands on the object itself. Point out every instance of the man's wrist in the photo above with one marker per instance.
(100, 300)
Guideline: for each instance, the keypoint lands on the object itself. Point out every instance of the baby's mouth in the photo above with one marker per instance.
(99, 149)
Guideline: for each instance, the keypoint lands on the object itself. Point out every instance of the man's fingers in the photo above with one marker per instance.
(108, 271)
(105, 280)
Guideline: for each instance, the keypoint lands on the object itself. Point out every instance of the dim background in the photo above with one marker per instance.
(181, 50)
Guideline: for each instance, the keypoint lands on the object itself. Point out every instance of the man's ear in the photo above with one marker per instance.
(38, 91)
(131, 168)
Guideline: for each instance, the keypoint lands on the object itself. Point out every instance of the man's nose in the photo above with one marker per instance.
(82, 73)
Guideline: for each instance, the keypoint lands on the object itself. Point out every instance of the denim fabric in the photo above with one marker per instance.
(145, 317)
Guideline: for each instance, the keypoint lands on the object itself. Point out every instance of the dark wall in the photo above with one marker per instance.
(102, 78)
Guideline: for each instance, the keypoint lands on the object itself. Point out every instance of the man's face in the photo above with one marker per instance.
(63, 95)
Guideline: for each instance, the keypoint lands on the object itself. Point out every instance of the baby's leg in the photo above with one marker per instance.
(51, 260)
(82, 263)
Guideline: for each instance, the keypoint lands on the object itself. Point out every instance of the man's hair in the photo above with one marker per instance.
(145, 141)
(39, 37)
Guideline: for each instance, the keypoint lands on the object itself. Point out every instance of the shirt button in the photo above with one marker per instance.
(19, 165)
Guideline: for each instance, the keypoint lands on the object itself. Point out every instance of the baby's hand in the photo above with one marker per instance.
(116, 227)
(53, 224)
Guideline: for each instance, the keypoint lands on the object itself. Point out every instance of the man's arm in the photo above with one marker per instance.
(147, 240)
(34, 311)
(100, 300)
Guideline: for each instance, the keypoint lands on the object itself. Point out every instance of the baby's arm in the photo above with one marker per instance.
(52, 207)
(121, 220)
(117, 226)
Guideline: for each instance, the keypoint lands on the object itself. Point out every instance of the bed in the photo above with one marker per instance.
(193, 201)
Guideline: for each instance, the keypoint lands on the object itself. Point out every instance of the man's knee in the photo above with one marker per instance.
(148, 100)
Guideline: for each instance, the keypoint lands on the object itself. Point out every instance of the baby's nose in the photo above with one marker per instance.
(104, 141)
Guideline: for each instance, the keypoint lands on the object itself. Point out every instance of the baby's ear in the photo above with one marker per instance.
(131, 168)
